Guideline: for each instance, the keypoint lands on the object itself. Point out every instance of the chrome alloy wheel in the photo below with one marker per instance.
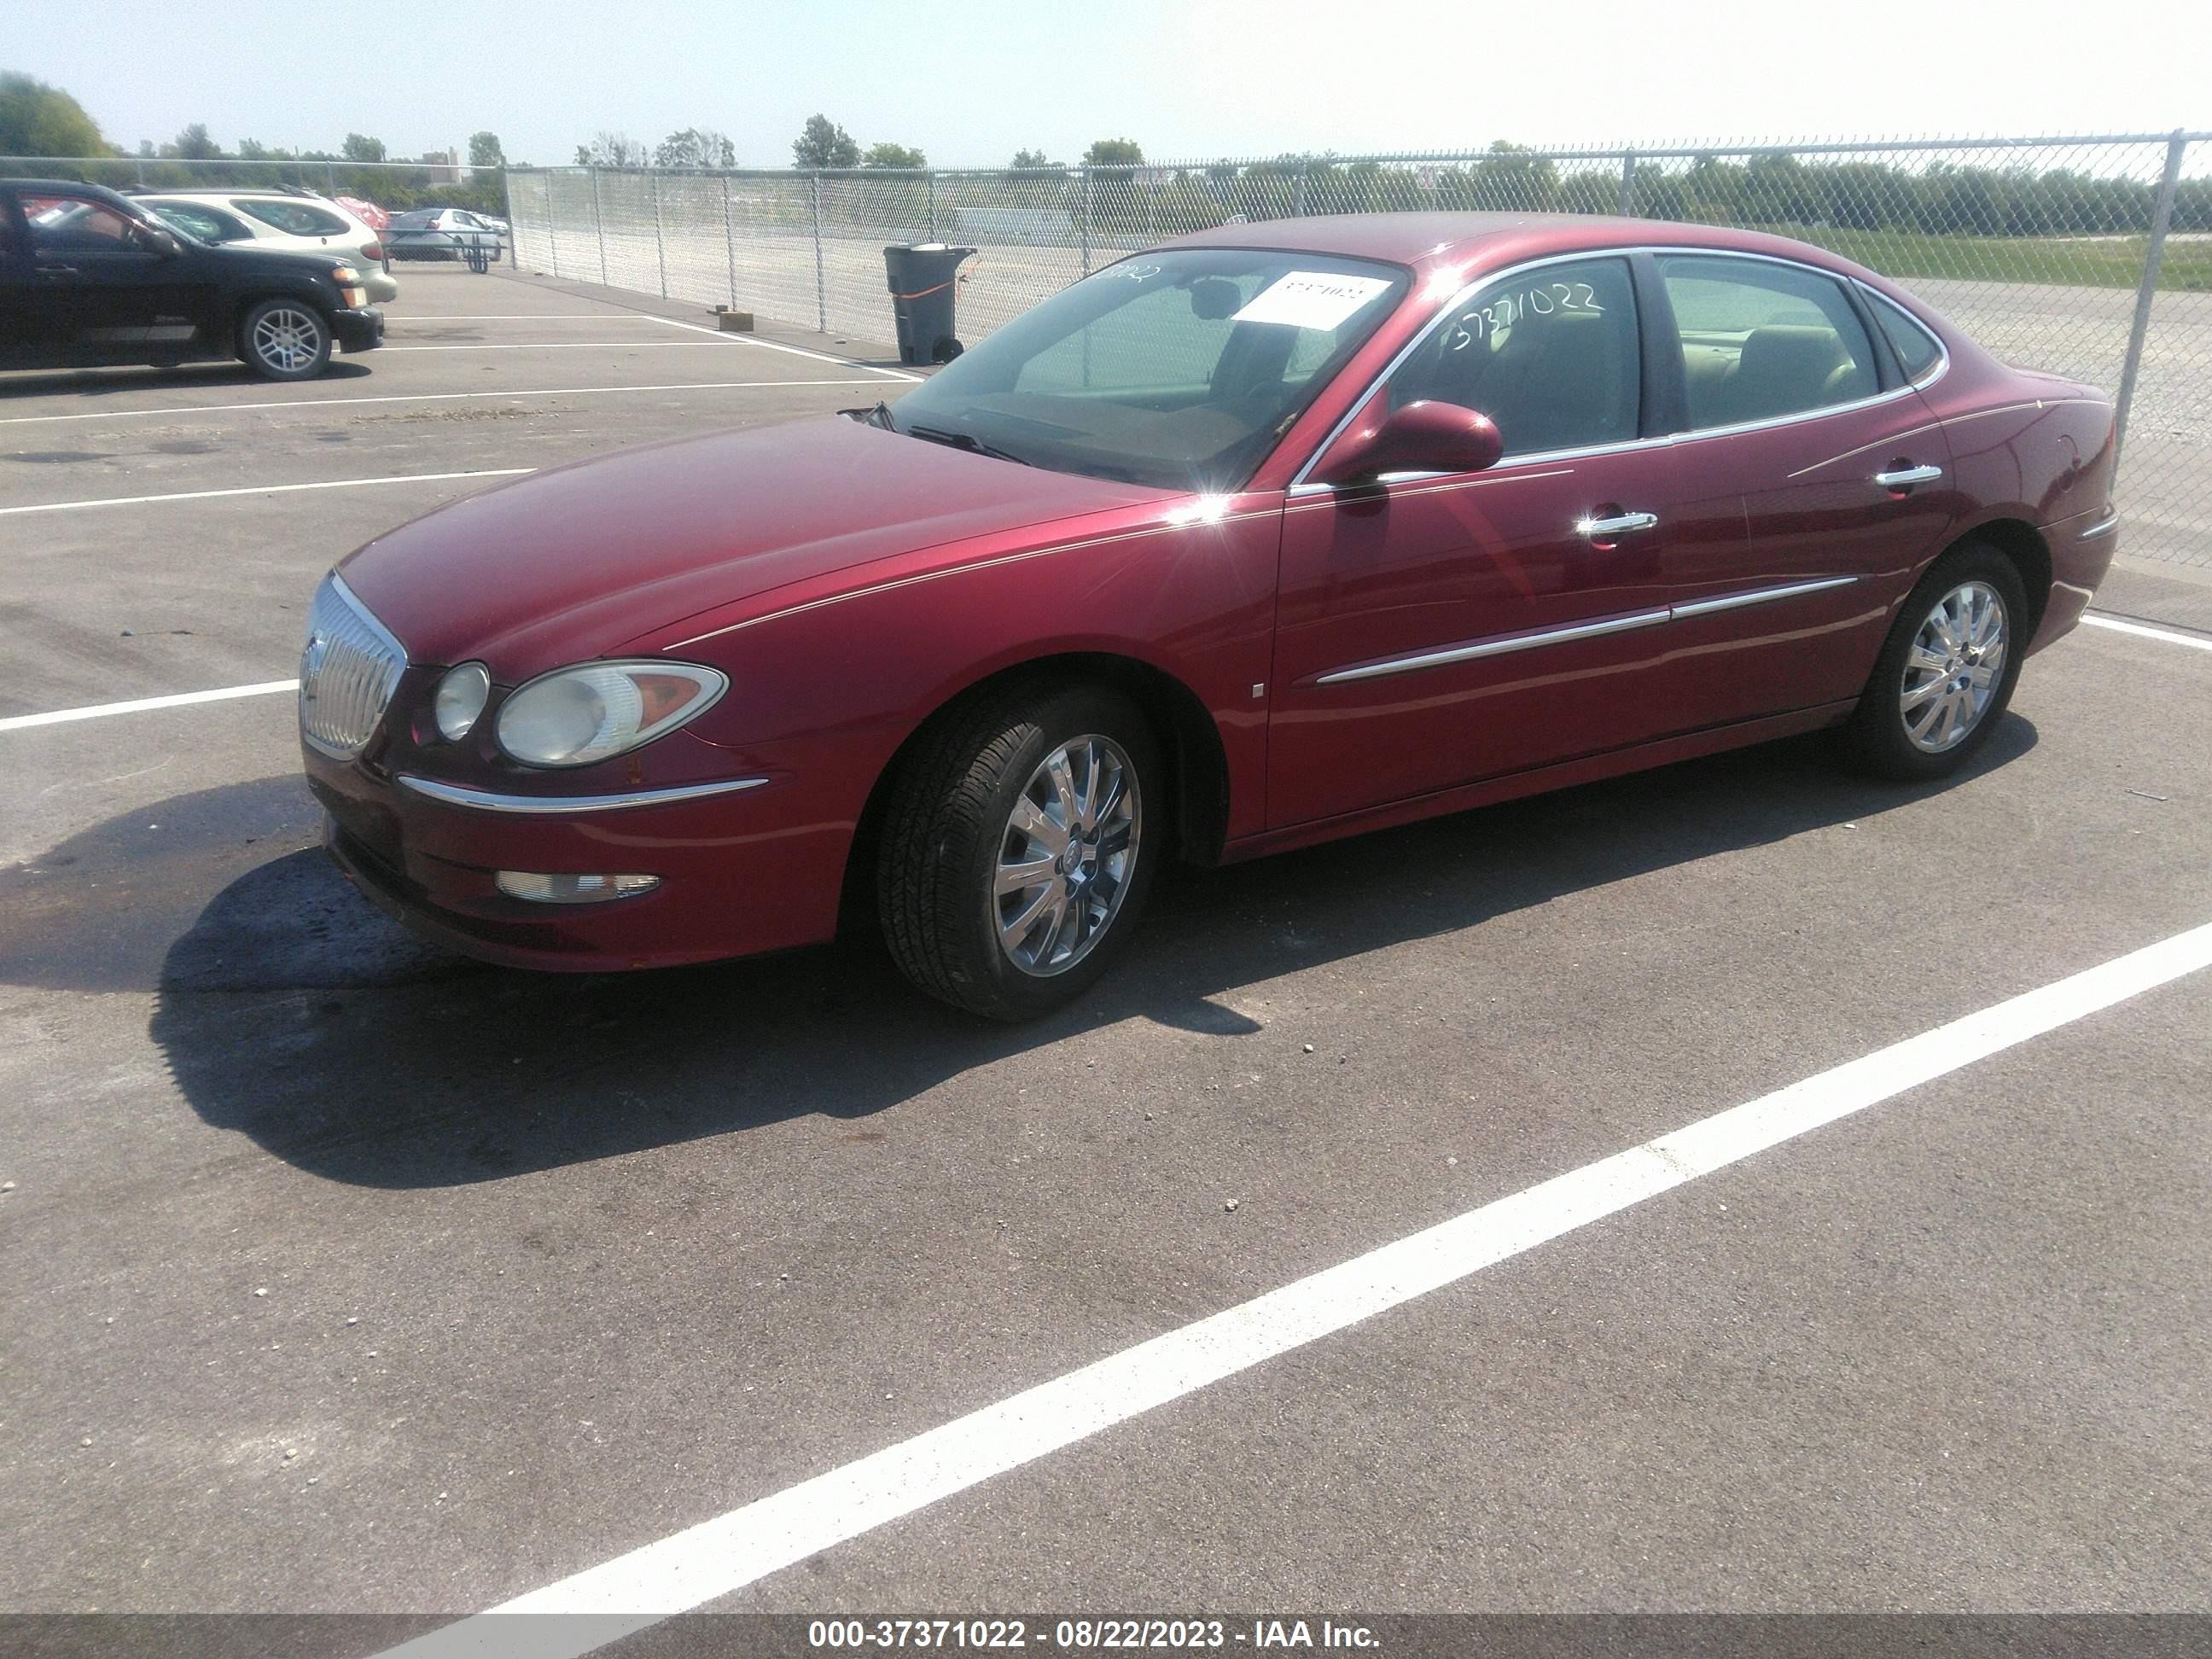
(1953, 671)
(1065, 856)
(287, 339)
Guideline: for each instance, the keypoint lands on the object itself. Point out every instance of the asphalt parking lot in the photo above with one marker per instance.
(343, 1276)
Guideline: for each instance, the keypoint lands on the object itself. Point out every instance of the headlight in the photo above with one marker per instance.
(460, 699)
(575, 716)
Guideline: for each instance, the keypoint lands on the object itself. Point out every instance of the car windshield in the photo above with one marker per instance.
(1179, 369)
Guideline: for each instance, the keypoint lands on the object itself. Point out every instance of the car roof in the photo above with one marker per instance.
(1426, 241)
(64, 187)
(218, 196)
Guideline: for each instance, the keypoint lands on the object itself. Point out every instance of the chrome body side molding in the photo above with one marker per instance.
(1500, 645)
(483, 800)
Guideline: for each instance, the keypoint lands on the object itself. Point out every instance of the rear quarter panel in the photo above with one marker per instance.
(2040, 450)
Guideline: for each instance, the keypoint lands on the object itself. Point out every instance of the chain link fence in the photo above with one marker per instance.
(395, 187)
(2091, 257)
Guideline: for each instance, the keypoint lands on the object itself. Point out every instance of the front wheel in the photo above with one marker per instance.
(1021, 840)
(285, 340)
(1946, 672)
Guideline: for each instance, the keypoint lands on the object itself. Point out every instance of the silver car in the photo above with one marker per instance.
(443, 233)
(280, 220)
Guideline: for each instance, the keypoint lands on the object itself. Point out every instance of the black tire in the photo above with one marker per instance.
(946, 824)
(1878, 735)
(296, 343)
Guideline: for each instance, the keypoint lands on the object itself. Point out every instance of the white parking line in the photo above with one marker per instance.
(100, 710)
(422, 398)
(557, 345)
(2170, 637)
(777, 345)
(702, 1563)
(391, 322)
(262, 490)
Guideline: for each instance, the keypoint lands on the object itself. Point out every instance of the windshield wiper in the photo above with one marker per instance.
(967, 441)
(879, 416)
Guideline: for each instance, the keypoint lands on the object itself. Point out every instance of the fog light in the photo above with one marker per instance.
(572, 890)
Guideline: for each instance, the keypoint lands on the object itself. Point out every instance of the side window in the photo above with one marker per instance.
(1551, 356)
(76, 224)
(1761, 340)
(207, 224)
(1917, 351)
(294, 218)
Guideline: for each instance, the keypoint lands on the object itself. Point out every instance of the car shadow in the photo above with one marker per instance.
(106, 380)
(289, 1010)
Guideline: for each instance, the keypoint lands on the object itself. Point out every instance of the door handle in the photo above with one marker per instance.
(1908, 476)
(1600, 530)
(58, 270)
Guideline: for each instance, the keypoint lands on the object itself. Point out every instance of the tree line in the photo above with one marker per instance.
(822, 146)
(1942, 197)
(36, 119)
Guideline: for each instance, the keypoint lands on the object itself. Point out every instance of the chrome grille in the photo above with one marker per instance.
(347, 672)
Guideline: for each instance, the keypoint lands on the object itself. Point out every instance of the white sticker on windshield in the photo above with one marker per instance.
(1311, 299)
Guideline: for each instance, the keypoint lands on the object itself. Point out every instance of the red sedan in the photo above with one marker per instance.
(1278, 533)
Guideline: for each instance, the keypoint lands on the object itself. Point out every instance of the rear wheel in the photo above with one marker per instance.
(285, 339)
(1019, 845)
(1946, 672)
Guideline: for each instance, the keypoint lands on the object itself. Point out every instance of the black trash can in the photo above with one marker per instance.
(922, 290)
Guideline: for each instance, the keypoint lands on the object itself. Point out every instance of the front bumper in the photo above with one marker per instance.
(358, 330)
(743, 870)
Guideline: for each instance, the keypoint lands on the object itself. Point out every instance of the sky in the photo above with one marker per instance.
(972, 82)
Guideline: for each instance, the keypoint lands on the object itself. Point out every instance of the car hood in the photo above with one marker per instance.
(243, 255)
(571, 563)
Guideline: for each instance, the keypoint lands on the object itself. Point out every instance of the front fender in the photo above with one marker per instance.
(826, 688)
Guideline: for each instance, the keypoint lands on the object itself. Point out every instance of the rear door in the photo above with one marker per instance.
(1845, 474)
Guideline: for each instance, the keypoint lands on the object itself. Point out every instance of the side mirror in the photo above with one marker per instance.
(1421, 437)
(163, 242)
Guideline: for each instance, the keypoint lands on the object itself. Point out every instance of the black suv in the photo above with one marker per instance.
(86, 278)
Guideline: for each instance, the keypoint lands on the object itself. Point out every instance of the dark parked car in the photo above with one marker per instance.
(443, 233)
(1276, 534)
(87, 277)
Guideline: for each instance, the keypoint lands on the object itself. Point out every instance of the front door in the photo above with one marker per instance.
(17, 332)
(1435, 631)
(95, 285)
